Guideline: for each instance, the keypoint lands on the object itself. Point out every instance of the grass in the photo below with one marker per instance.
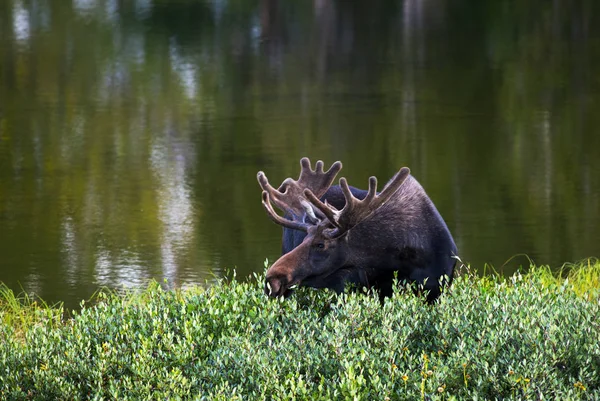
(582, 278)
(22, 312)
(533, 335)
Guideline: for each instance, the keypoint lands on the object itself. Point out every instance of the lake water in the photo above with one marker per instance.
(131, 132)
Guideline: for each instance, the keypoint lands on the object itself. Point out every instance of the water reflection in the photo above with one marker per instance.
(170, 163)
(20, 23)
(131, 132)
(185, 70)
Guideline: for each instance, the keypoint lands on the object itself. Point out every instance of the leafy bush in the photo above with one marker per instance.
(486, 338)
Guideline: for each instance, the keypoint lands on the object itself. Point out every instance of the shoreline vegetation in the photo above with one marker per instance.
(533, 335)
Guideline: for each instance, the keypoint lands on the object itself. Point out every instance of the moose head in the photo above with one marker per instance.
(328, 245)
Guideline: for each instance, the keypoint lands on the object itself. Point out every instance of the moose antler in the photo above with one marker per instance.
(293, 224)
(355, 209)
(290, 198)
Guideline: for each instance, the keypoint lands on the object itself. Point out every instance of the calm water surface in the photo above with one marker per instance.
(131, 131)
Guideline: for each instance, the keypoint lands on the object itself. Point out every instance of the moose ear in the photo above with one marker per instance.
(334, 233)
(310, 212)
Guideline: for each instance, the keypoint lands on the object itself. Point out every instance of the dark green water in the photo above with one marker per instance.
(131, 131)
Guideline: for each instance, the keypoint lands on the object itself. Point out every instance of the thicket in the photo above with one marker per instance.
(531, 336)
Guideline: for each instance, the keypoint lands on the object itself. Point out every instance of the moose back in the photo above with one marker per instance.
(338, 235)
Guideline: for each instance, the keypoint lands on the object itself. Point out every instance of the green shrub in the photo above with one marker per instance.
(523, 337)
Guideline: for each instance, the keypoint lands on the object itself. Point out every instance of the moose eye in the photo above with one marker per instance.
(320, 245)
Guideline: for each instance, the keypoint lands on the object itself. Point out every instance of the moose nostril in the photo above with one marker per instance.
(273, 287)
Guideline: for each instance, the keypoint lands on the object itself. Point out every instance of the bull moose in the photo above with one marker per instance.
(335, 235)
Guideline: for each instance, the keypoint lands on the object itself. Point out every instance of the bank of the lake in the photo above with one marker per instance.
(529, 336)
